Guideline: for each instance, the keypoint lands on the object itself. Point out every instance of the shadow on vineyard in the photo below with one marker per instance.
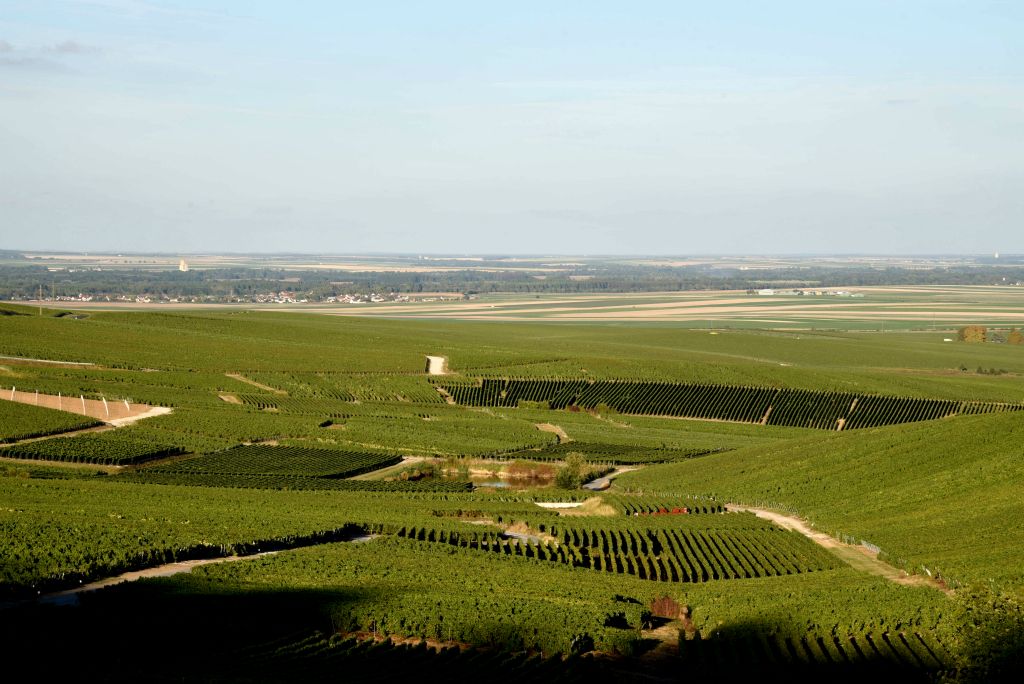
(156, 631)
(768, 650)
(650, 580)
(169, 631)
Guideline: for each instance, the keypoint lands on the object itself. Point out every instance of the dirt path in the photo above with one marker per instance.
(444, 393)
(390, 470)
(605, 481)
(60, 464)
(58, 435)
(556, 430)
(71, 364)
(667, 649)
(268, 388)
(70, 596)
(610, 421)
(857, 556)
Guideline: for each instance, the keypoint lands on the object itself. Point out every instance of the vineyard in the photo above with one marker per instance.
(580, 611)
(263, 459)
(906, 489)
(369, 387)
(24, 421)
(881, 441)
(896, 654)
(288, 482)
(649, 505)
(600, 453)
(764, 405)
(666, 553)
(107, 448)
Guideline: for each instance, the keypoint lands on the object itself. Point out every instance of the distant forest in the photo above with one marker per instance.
(232, 284)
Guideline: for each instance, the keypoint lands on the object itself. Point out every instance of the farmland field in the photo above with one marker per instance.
(875, 308)
(323, 440)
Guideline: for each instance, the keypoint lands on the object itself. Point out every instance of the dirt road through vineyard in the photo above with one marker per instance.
(859, 557)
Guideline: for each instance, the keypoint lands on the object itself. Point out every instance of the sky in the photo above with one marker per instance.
(575, 127)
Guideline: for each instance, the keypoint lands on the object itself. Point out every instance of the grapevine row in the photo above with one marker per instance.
(102, 449)
(289, 482)
(265, 459)
(766, 405)
(666, 555)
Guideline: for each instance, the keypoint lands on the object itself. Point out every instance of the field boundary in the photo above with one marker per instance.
(114, 412)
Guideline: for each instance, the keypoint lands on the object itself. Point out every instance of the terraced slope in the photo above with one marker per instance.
(938, 497)
(764, 405)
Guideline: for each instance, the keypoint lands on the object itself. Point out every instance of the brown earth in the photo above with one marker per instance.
(594, 506)
(113, 412)
(556, 430)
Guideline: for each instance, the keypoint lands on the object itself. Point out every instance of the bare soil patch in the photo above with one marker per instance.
(595, 506)
(559, 505)
(113, 412)
(230, 398)
(128, 420)
(437, 365)
(556, 430)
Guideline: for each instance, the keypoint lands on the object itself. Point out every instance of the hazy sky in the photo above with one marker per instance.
(553, 126)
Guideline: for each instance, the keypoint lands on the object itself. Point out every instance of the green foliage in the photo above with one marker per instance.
(606, 453)
(936, 497)
(972, 333)
(764, 405)
(570, 475)
(54, 533)
(105, 448)
(263, 459)
(990, 635)
(286, 482)
(23, 421)
(684, 549)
